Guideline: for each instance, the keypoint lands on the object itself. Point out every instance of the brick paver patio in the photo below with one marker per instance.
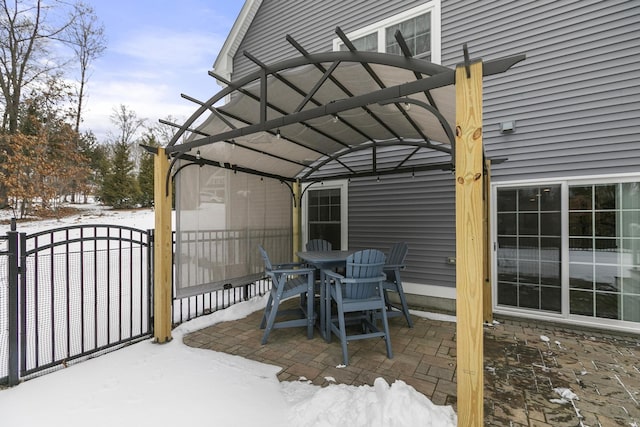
(524, 364)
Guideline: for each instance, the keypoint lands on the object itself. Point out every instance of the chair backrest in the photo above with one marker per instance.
(267, 262)
(363, 264)
(318, 245)
(398, 253)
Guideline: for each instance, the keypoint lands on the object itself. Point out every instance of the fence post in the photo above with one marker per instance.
(150, 280)
(12, 309)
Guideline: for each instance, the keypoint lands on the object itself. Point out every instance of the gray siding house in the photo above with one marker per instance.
(564, 125)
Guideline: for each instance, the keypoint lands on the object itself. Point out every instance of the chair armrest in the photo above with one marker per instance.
(381, 278)
(289, 265)
(332, 274)
(300, 271)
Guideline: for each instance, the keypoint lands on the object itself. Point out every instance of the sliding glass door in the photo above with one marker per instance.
(604, 255)
(529, 249)
(571, 248)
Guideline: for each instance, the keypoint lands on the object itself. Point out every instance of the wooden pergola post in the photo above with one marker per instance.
(469, 244)
(162, 250)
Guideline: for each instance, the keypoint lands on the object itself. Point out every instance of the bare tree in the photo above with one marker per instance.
(88, 42)
(25, 30)
(128, 125)
(163, 131)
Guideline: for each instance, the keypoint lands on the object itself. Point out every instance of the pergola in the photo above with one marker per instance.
(322, 116)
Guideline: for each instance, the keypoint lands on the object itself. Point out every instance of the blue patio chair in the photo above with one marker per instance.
(395, 263)
(288, 280)
(318, 245)
(359, 293)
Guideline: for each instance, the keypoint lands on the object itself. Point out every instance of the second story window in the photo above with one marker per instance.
(416, 32)
(420, 28)
(368, 43)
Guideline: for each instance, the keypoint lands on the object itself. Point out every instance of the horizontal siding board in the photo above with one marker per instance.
(419, 210)
(575, 99)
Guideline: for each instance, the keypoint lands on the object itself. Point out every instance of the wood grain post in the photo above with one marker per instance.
(469, 245)
(162, 250)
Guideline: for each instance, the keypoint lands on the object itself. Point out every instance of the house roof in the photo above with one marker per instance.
(223, 64)
(332, 114)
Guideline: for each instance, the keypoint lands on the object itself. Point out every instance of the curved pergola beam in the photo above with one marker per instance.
(368, 146)
(397, 61)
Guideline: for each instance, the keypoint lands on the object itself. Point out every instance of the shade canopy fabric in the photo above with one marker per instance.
(324, 115)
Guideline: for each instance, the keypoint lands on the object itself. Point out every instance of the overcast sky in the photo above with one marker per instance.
(156, 50)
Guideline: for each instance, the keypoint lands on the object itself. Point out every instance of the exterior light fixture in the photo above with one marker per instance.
(335, 119)
(508, 126)
(198, 155)
(278, 134)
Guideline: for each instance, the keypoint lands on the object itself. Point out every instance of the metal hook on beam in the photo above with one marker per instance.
(467, 62)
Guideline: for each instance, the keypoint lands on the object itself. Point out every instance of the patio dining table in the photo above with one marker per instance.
(325, 260)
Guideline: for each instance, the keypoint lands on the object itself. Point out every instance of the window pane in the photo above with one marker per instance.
(580, 224)
(368, 43)
(606, 196)
(528, 248)
(631, 311)
(550, 224)
(631, 282)
(423, 44)
(550, 299)
(606, 251)
(631, 195)
(606, 278)
(528, 199)
(528, 223)
(605, 224)
(581, 276)
(528, 272)
(607, 306)
(581, 303)
(329, 232)
(550, 273)
(550, 249)
(507, 294)
(507, 223)
(416, 33)
(550, 198)
(313, 213)
(529, 296)
(507, 200)
(580, 197)
(323, 213)
(630, 226)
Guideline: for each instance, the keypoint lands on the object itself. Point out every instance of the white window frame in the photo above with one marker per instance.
(343, 185)
(565, 315)
(432, 6)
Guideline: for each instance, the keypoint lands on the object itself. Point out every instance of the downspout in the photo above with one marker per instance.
(297, 218)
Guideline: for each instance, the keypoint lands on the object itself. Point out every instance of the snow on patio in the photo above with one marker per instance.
(149, 384)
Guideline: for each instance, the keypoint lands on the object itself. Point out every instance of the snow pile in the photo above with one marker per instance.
(382, 405)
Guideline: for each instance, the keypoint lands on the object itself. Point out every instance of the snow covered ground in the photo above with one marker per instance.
(148, 384)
